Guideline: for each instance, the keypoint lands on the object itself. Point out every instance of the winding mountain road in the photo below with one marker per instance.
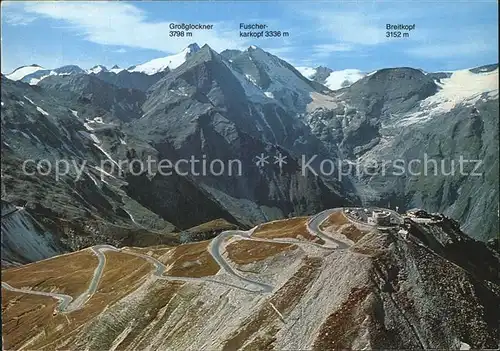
(214, 249)
(314, 224)
(67, 304)
(64, 300)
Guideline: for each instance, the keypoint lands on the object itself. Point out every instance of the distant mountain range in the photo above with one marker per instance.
(32, 74)
(237, 105)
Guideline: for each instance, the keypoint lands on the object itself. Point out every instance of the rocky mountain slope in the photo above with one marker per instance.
(404, 115)
(326, 282)
(225, 123)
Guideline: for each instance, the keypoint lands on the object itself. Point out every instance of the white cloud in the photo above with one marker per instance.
(322, 51)
(350, 28)
(17, 19)
(473, 42)
(13, 14)
(123, 24)
(314, 55)
(328, 48)
(121, 51)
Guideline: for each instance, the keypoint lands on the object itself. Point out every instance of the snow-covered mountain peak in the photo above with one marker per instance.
(307, 72)
(20, 72)
(68, 69)
(97, 69)
(167, 62)
(32, 74)
(193, 47)
(116, 69)
(463, 86)
(265, 76)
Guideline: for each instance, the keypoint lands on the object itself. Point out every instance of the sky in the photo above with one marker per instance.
(346, 34)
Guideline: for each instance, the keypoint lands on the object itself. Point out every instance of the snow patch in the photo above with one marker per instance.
(269, 94)
(263, 117)
(91, 177)
(132, 218)
(107, 155)
(102, 171)
(181, 91)
(36, 138)
(97, 69)
(34, 81)
(25, 135)
(42, 111)
(464, 346)
(251, 79)
(28, 99)
(94, 138)
(86, 125)
(462, 87)
(75, 113)
(22, 72)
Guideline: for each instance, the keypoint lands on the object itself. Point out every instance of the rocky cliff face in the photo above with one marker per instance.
(25, 240)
